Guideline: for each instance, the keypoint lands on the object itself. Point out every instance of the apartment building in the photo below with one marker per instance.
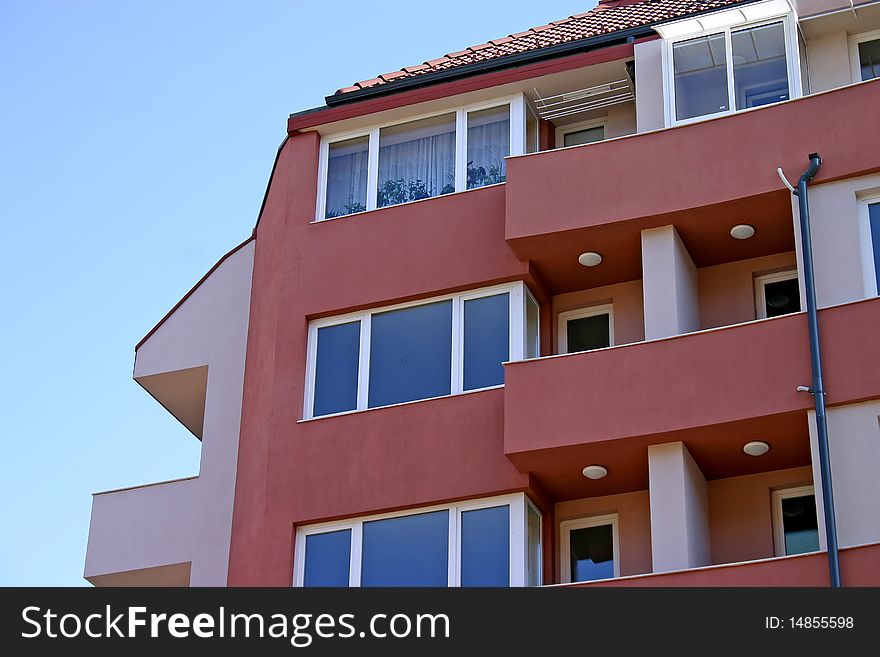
(532, 313)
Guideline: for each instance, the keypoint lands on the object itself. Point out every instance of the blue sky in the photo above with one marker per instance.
(136, 139)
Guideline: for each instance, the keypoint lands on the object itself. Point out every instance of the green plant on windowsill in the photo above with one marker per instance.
(482, 176)
(393, 192)
(348, 208)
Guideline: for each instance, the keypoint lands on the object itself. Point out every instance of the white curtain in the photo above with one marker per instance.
(416, 163)
(346, 179)
(488, 144)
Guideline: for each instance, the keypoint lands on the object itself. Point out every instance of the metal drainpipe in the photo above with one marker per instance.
(818, 389)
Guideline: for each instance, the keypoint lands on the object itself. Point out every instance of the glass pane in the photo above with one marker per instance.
(347, 177)
(700, 70)
(874, 219)
(587, 333)
(407, 551)
(336, 368)
(488, 143)
(869, 59)
(533, 328)
(760, 74)
(327, 559)
(486, 340)
(587, 136)
(800, 524)
(534, 555)
(411, 354)
(592, 553)
(485, 547)
(782, 297)
(416, 160)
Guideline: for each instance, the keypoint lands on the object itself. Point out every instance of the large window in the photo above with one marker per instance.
(419, 350)
(795, 523)
(402, 162)
(588, 549)
(733, 68)
(490, 542)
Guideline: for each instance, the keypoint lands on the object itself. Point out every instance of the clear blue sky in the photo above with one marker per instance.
(136, 139)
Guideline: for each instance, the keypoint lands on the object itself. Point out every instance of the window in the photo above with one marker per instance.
(777, 294)
(347, 177)
(588, 549)
(731, 69)
(481, 543)
(423, 158)
(416, 160)
(534, 546)
(329, 562)
(585, 132)
(488, 143)
(533, 327)
(586, 329)
(796, 525)
(869, 229)
(419, 350)
(865, 56)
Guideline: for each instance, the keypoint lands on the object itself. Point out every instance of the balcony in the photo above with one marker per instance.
(860, 566)
(703, 178)
(733, 384)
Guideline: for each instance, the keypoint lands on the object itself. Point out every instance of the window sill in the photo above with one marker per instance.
(406, 403)
(398, 205)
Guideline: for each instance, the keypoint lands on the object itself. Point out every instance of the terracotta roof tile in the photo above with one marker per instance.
(608, 17)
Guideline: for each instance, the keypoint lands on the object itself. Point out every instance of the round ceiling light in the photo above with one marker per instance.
(589, 259)
(742, 232)
(595, 471)
(756, 448)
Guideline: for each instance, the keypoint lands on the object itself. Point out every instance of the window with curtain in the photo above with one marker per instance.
(488, 143)
(347, 177)
(416, 160)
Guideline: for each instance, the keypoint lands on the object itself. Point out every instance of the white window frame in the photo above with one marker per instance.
(778, 522)
(791, 56)
(565, 529)
(525, 323)
(516, 343)
(516, 104)
(762, 281)
(540, 573)
(866, 242)
(563, 130)
(580, 313)
(518, 537)
(854, 41)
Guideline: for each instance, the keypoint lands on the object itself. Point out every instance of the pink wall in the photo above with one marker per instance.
(727, 292)
(633, 526)
(629, 314)
(740, 524)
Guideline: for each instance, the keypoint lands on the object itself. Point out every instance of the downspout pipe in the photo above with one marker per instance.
(818, 387)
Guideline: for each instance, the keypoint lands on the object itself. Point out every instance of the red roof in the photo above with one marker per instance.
(610, 16)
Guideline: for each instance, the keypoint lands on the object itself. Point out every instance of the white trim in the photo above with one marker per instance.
(561, 131)
(530, 298)
(792, 59)
(540, 557)
(580, 313)
(778, 525)
(565, 528)
(854, 41)
(515, 501)
(866, 245)
(516, 342)
(516, 107)
(760, 284)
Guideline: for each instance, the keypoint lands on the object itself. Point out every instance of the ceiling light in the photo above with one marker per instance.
(742, 231)
(589, 259)
(756, 448)
(595, 471)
